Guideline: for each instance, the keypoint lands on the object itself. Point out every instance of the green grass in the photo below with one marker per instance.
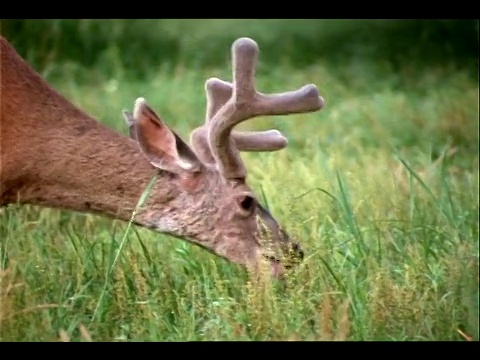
(380, 187)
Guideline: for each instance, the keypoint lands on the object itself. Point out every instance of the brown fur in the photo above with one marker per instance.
(53, 154)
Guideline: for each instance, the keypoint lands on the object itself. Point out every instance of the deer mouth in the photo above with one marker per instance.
(279, 268)
(276, 268)
(291, 255)
(277, 262)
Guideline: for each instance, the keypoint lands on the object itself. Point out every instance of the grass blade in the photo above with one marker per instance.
(140, 203)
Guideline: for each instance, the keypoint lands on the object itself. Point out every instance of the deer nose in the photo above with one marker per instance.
(297, 251)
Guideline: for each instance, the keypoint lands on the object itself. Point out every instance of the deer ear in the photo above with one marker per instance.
(128, 116)
(161, 146)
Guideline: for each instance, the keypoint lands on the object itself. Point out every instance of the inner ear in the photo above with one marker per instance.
(162, 146)
(185, 154)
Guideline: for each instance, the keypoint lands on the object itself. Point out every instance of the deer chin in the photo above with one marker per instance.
(277, 270)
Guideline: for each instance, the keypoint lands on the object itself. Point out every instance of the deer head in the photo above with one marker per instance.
(212, 205)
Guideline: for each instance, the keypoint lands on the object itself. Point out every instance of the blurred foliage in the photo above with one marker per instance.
(140, 45)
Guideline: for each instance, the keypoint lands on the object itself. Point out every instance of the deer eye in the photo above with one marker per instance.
(246, 203)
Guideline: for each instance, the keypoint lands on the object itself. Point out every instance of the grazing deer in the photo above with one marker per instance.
(55, 155)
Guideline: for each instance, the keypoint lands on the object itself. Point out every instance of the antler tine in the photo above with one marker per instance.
(246, 103)
(218, 92)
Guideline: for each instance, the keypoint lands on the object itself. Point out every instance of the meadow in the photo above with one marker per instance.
(380, 187)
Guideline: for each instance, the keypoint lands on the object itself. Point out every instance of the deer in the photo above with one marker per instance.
(53, 154)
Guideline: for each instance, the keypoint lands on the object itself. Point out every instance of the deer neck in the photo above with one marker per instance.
(53, 154)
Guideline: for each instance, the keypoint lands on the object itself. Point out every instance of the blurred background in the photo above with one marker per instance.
(140, 45)
(431, 65)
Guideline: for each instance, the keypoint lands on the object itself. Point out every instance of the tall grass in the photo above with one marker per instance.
(380, 187)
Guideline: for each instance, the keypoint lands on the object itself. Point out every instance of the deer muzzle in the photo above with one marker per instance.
(291, 255)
